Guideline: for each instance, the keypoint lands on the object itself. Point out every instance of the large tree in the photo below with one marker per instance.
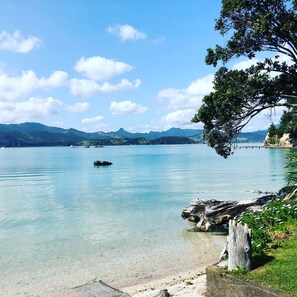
(268, 26)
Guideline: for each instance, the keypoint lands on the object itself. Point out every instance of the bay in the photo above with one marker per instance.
(64, 222)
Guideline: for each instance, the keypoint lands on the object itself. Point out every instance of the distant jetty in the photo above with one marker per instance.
(102, 163)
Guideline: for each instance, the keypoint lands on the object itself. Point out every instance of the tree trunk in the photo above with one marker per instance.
(239, 247)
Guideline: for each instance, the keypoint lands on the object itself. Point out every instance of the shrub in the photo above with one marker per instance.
(270, 225)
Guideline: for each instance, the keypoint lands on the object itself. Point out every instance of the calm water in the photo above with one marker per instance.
(64, 222)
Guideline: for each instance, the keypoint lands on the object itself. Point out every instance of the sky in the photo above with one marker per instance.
(102, 65)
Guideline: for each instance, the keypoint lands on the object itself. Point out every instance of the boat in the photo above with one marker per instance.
(102, 163)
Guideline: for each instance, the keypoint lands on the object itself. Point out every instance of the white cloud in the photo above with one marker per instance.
(190, 97)
(84, 87)
(17, 43)
(32, 109)
(99, 68)
(179, 119)
(242, 65)
(157, 40)
(55, 80)
(14, 87)
(87, 88)
(126, 32)
(182, 104)
(127, 107)
(263, 120)
(79, 107)
(92, 120)
(285, 58)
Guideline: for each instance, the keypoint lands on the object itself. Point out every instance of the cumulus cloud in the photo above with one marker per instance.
(242, 65)
(14, 105)
(32, 109)
(14, 87)
(126, 32)
(55, 80)
(92, 120)
(179, 118)
(182, 104)
(15, 42)
(87, 88)
(127, 107)
(100, 68)
(190, 97)
(79, 107)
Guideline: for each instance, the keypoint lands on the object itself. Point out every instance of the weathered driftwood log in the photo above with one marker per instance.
(208, 213)
(239, 246)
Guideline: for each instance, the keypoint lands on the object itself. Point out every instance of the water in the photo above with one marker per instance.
(64, 222)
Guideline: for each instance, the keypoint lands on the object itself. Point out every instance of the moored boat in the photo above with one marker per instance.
(102, 163)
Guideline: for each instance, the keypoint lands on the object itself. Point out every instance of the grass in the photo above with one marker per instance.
(280, 270)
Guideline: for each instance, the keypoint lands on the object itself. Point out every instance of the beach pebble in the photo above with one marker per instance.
(188, 282)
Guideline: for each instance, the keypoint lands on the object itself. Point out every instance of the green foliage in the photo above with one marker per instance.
(272, 131)
(239, 95)
(256, 26)
(280, 272)
(292, 167)
(269, 226)
(288, 124)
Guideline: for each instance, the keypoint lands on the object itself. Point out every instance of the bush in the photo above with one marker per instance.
(269, 226)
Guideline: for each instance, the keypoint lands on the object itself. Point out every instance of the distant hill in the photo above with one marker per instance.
(121, 133)
(256, 136)
(35, 134)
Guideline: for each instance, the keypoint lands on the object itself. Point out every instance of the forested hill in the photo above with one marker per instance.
(35, 134)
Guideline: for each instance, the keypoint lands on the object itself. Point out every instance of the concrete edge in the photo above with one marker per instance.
(220, 284)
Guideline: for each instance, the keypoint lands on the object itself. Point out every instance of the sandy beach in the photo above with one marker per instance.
(191, 284)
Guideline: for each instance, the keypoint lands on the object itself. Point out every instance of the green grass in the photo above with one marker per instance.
(280, 272)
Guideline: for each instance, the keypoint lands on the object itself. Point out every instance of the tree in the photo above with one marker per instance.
(288, 124)
(268, 26)
(272, 131)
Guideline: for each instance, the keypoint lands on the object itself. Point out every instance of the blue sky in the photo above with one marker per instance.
(101, 65)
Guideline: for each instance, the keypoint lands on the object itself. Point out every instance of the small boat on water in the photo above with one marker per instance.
(102, 163)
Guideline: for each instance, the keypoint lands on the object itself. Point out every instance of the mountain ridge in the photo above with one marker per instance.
(36, 134)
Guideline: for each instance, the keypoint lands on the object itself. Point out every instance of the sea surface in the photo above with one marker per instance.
(64, 222)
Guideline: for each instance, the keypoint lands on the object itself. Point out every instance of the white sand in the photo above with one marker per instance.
(191, 284)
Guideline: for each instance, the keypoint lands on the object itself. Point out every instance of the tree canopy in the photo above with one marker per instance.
(268, 26)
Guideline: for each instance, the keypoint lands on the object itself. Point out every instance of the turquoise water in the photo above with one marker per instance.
(64, 222)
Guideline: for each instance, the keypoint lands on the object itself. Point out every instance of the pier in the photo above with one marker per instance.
(250, 146)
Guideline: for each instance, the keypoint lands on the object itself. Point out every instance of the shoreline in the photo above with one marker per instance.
(187, 284)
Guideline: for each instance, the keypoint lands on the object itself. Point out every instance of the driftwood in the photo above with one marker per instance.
(239, 246)
(209, 213)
